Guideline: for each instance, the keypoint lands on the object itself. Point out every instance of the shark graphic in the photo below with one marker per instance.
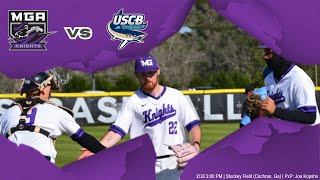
(126, 36)
(124, 33)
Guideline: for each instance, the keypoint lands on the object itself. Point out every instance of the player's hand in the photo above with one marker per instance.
(268, 105)
(184, 152)
(196, 146)
(85, 154)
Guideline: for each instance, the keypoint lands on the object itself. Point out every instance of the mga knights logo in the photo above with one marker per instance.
(28, 29)
(127, 28)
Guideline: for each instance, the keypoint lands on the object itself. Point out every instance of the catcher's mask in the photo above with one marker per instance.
(41, 80)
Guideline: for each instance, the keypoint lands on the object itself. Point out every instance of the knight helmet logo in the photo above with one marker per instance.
(127, 28)
(28, 29)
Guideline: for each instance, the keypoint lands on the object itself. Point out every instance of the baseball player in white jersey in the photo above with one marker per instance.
(161, 112)
(291, 92)
(36, 122)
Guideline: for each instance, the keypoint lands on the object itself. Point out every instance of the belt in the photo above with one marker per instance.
(165, 156)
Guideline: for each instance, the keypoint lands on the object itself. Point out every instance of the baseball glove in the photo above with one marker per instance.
(253, 107)
(184, 152)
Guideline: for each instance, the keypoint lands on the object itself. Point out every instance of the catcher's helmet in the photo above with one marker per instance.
(41, 80)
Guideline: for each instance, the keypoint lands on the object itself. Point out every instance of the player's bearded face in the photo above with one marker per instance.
(148, 80)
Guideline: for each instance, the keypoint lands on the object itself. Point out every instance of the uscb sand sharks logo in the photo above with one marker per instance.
(127, 28)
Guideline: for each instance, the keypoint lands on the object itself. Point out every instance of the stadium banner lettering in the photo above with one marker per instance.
(104, 110)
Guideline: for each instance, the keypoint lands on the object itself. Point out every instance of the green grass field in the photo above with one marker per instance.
(69, 151)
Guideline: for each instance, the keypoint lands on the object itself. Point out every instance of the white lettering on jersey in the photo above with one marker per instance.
(153, 118)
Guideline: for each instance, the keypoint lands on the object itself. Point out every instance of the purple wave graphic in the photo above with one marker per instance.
(264, 147)
(290, 28)
(164, 18)
(120, 162)
(19, 26)
(22, 161)
(31, 39)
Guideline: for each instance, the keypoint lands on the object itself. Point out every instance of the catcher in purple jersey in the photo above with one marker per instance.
(161, 112)
(36, 122)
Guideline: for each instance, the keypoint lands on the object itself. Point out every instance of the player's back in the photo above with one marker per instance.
(46, 116)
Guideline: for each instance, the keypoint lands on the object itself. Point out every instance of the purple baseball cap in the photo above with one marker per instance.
(146, 63)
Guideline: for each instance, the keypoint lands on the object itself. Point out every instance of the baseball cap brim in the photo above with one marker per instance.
(147, 69)
(262, 47)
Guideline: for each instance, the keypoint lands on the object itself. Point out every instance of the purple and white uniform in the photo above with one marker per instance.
(47, 116)
(163, 118)
(294, 91)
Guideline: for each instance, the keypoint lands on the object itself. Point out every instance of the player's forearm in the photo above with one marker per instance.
(89, 142)
(195, 136)
(295, 115)
(110, 139)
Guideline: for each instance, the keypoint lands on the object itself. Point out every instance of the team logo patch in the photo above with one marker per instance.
(28, 29)
(147, 62)
(127, 28)
(278, 97)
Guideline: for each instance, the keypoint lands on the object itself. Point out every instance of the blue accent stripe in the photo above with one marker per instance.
(193, 124)
(308, 109)
(79, 133)
(162, 93)
(118, 130)
(160, 120)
